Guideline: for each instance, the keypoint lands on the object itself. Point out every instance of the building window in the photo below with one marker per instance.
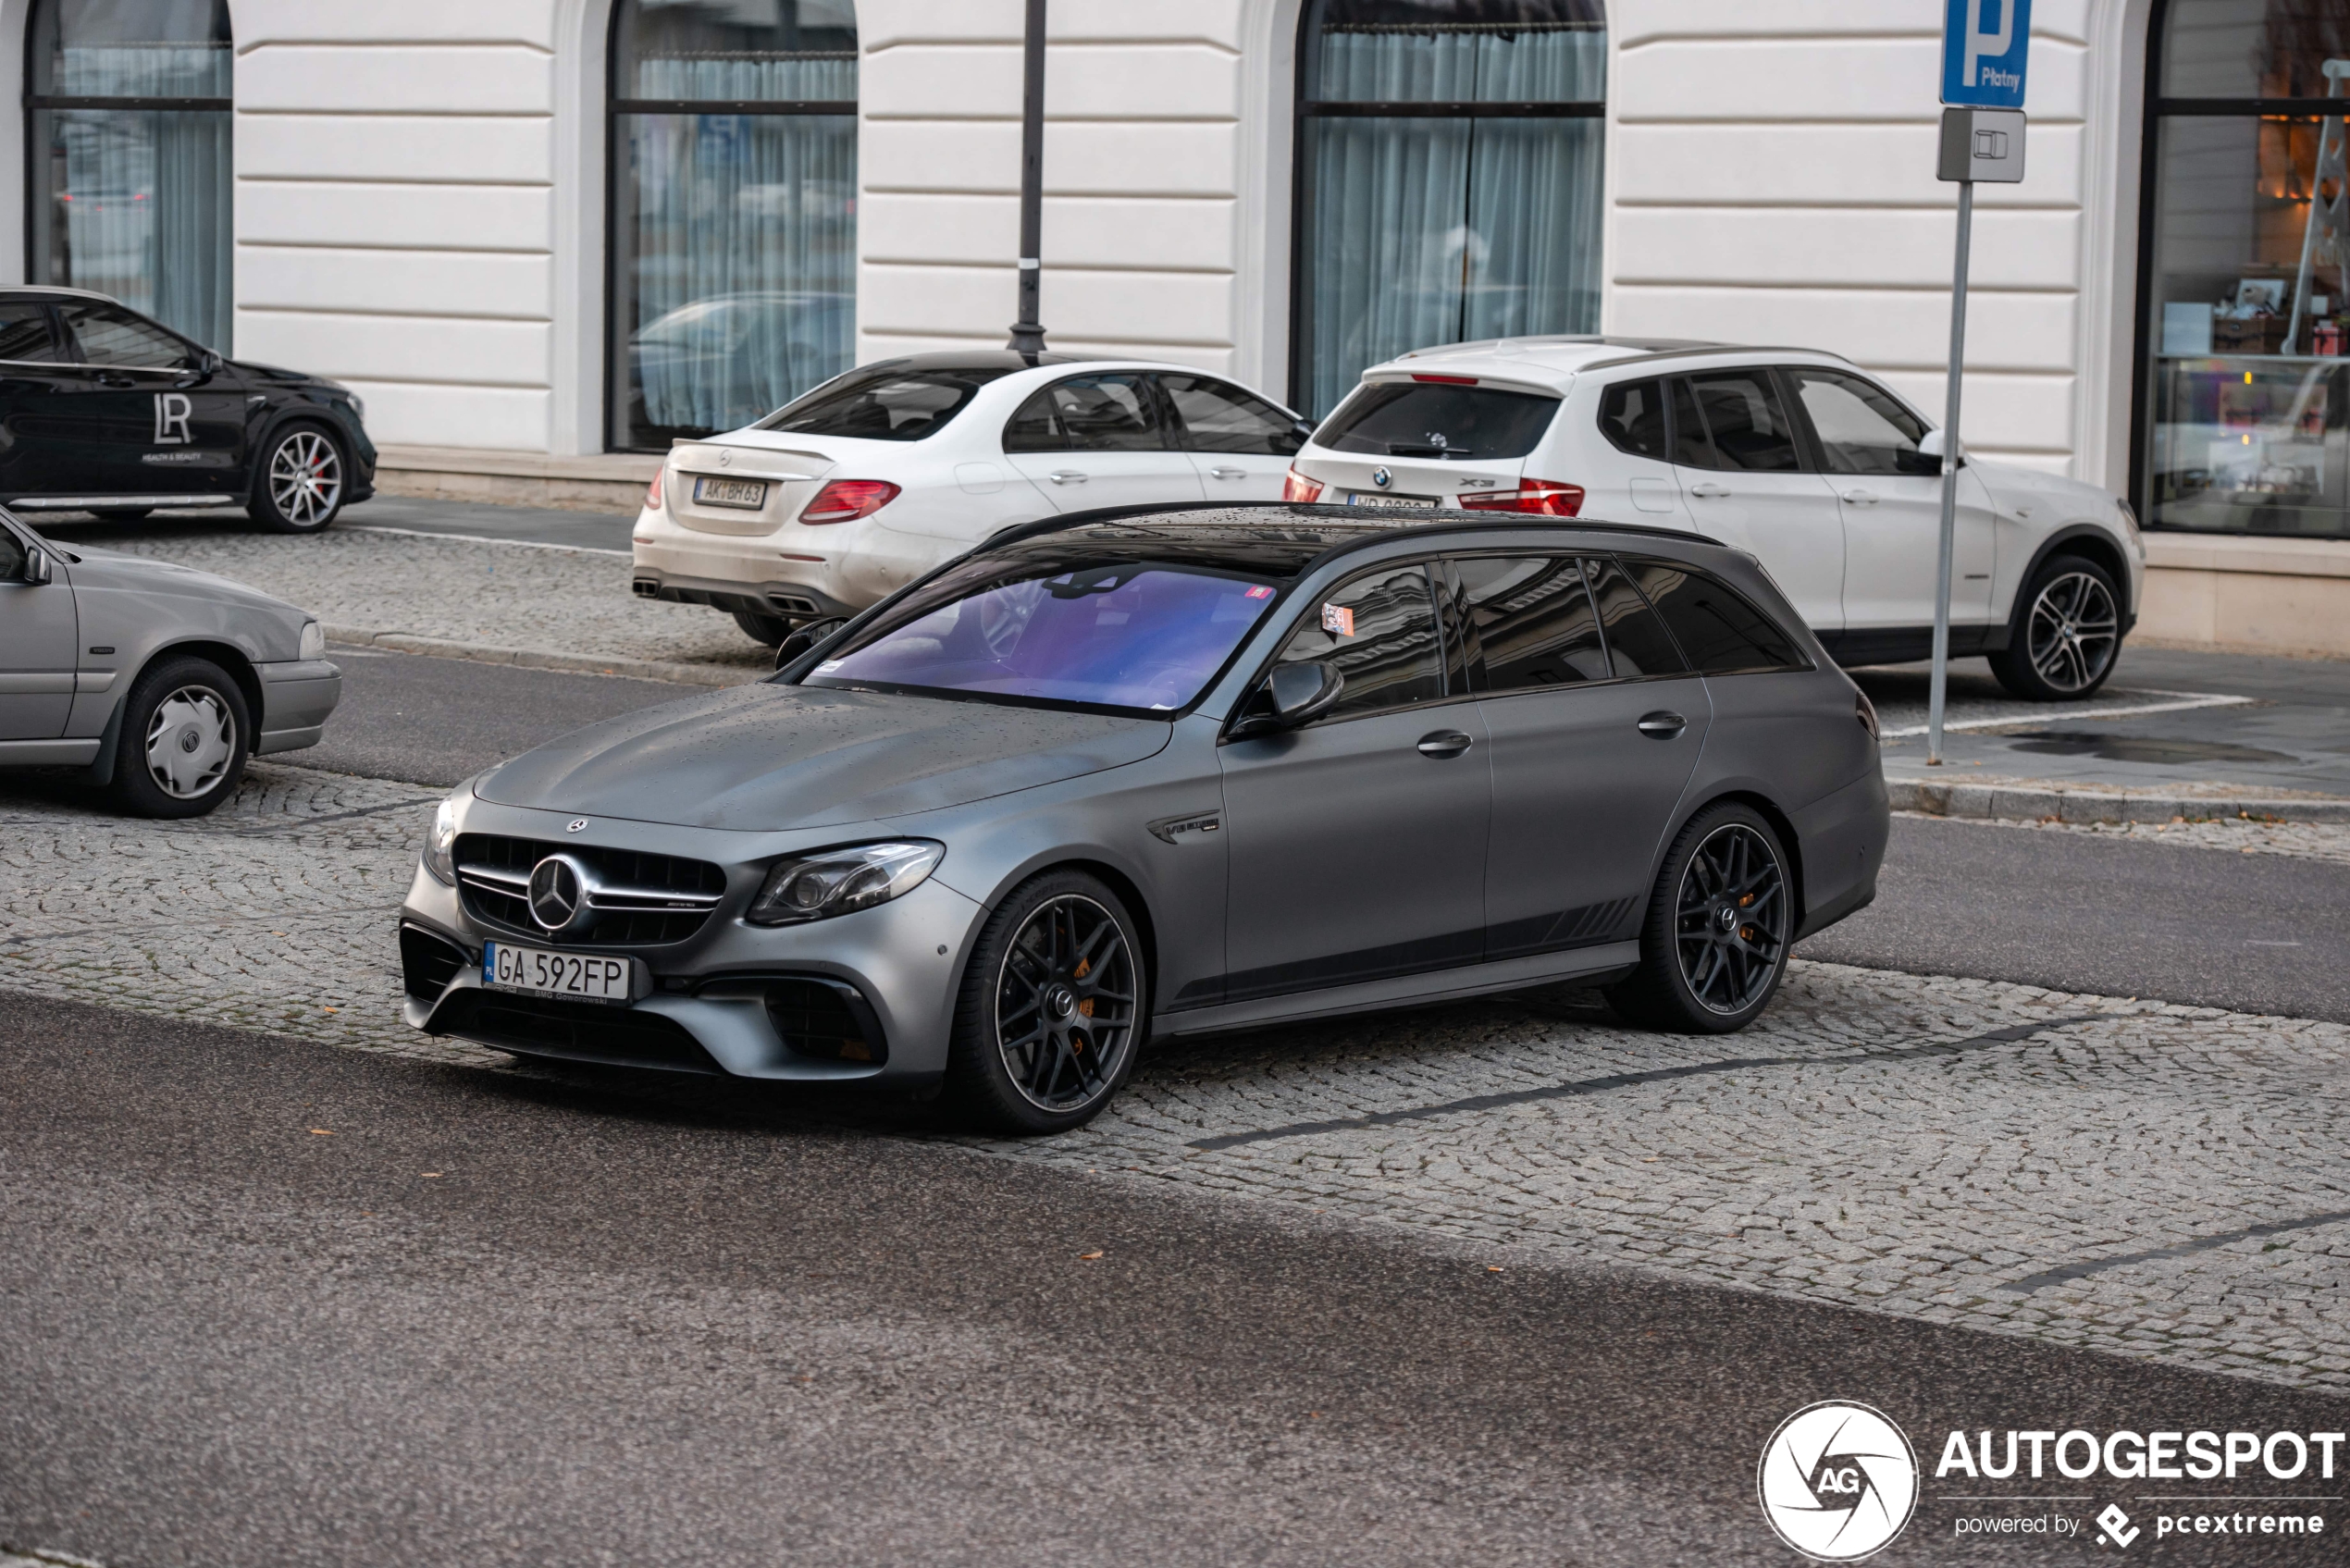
(734, 211)
(2248, 265)
(1448, 178)
(128, 122)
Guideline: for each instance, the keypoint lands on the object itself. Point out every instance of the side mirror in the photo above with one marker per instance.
(1291, 695)
(36, 567)
(1932, 449)
(805, 637)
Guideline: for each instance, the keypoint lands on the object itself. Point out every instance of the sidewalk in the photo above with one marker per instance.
(2212, 734)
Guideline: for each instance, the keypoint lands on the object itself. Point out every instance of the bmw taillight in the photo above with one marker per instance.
(1296, 487)
(653, 491)
(1545, 498)
(845, 500)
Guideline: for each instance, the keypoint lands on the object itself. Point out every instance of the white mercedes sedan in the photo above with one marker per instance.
(843, 496)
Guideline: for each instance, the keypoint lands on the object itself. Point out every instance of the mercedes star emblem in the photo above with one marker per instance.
(558, 893)
(577, 824)
(726, 458)
(1382, 478)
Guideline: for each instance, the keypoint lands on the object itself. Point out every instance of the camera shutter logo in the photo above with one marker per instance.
(1838, 1481)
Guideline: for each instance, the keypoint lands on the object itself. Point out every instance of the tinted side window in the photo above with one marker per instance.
(1379, 629)
(1719, 628)
(1534, 621)
(110, 336)
(1113, 413)
(1692, 447)
(1637, 644)
(1632, 418)
(1862, 429)
(24, 334)
(1746, 421)
(1217, 417)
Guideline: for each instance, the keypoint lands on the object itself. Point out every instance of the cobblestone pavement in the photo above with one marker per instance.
(500, 595)
(2309, 841)
(2158, 1182)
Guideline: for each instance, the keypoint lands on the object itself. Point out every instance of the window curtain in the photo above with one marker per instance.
(142, 203)
(1434, 230)
(745, 235)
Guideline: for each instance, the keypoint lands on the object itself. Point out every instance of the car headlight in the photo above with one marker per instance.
(440, 840)
(314, 641)
(837, 881)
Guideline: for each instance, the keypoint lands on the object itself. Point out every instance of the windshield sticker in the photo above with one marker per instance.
(1260, 591)
(829, 665)
(1338, 620)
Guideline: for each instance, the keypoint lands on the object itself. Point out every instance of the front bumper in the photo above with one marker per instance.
(297, 698)
(742, 1000)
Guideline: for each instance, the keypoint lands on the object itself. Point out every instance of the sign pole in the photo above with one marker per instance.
(1949, 485)
(1028, 334)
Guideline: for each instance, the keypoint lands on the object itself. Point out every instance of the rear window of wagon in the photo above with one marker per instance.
(1436, 420)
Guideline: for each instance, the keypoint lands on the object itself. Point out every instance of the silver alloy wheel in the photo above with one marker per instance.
(190, 741)
(2072, 631)
(306, 478)
(1065, 1004)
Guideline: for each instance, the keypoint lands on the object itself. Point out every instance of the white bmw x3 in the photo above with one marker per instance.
(1825, 475)
(843, 496)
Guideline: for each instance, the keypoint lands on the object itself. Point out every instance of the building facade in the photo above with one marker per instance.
(540, 237)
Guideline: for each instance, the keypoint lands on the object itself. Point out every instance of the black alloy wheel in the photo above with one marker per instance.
(184, 738)
(298, 485)
(1714, 945)
(2063, 645)
(1046, 1025)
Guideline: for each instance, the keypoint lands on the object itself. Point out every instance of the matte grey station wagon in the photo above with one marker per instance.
(1170, 771)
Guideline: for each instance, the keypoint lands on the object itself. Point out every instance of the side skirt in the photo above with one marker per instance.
(1607, 961)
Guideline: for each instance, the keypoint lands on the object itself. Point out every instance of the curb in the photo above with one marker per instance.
(536, 659)
(2096, 806)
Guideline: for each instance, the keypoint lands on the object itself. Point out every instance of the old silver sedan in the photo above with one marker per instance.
(158, 680)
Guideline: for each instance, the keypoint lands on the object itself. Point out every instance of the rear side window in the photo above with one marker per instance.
(880, 405)
(1719, 628)
(1217, 417)
(1745, 420)
(1427, 419)
(1379, 629)
(1114, 412)
(1632, 418)
(1637, 644)
(1535, 625)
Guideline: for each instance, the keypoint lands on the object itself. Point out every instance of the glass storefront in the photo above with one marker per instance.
(1449, 178)
(2247, 388)
(734, 221)
(129, 122)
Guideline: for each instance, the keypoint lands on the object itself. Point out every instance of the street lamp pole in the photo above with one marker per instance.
(1028, 334)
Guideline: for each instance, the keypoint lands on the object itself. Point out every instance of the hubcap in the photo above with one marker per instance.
(306, 478)
(1731, 919)
(191, 742)
(2073, 632)
(1065, 1004)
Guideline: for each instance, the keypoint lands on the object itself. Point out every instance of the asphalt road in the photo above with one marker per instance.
(274, 1303)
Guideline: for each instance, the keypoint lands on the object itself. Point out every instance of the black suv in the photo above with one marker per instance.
(104, 410)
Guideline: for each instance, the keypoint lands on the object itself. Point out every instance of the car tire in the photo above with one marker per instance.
(1720, 921)
(1052, 1010)
(2066, 635)
(299, 483)
(185, 736)
(768, 629)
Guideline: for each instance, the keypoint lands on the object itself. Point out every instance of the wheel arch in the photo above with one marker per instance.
(2091, 542)
(1129, 894)
(227, 654)
(1770, 811)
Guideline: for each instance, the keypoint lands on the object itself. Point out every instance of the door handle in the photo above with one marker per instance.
(1709, 490)
(1860, 497)
(114, 379)
(1444, 742)
(1228, 473)
(1662, 725)
(1066, 476)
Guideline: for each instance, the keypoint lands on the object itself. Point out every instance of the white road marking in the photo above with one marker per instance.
(2186, 699)
(485, 539)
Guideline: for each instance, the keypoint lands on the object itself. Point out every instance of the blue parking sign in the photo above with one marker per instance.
(1984, 44)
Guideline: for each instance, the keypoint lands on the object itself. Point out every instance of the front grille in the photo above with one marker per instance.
(427, 963)
(627, 868)
(826, 1020)
(582, 1031)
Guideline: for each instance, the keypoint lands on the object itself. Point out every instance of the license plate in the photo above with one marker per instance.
(1392, 503)
(751, 493)
(507, 967)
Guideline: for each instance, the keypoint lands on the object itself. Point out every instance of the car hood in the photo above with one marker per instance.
(765, 757)
(93, 569)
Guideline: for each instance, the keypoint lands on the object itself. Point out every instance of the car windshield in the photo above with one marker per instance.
(1128, 634)
(1418, 419)
(881, 404)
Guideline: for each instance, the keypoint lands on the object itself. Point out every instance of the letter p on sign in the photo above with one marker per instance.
(1983, 45)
